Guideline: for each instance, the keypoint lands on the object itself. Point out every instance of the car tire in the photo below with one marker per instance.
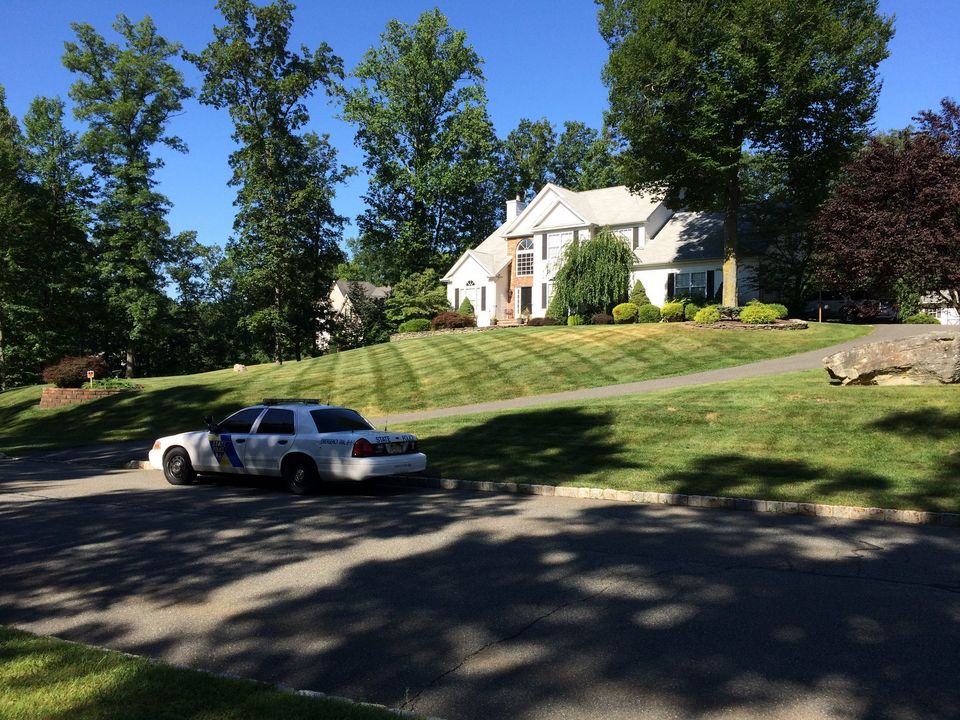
(177, 468)
(300, 475)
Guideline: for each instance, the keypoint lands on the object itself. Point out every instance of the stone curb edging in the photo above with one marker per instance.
(231, 676)
(845, 512)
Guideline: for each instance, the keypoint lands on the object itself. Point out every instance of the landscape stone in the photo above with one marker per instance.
(929, 359)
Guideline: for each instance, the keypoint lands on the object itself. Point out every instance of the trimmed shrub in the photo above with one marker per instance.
(602, 319)
(729, 312)
(575, 320)
(626, 313)
(758, 314)
(921, 318)
(638, 296)
(707, 315)
(71, 371)
(466, 307)
(415, 325)
(648, 313)
(690, 311)
(556, 309)
(782, 311)
(537, 322)
(452, 320)
(672, 312)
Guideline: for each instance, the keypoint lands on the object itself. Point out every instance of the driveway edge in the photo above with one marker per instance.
(843, 512)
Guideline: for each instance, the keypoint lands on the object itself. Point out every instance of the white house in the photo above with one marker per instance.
(941, 305)
(510, 274)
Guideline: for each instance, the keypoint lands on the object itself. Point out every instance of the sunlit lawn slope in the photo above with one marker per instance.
(789, 437)
(430, 372)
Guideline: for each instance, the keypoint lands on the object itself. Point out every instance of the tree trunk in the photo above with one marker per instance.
(731, 210)
(3, 356)
(277, 357)
(129, 366)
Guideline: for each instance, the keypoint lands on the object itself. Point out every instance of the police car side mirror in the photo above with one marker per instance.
(211, 425)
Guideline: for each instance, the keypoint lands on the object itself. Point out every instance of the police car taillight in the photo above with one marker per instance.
(364, 448)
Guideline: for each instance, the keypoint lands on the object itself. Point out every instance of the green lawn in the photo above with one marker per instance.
(789, 437)
(441, 371)
(51, 679)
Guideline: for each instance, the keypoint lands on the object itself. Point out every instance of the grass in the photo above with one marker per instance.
(441, 371)
(789, 437)
(48, 678)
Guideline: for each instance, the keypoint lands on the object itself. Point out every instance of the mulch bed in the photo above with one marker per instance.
(737, 325)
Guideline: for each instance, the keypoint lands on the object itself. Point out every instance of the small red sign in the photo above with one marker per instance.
(89, 374)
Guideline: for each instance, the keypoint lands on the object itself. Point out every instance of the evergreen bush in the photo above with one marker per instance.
(756, 313)
(625, 313)
(707, 315)
(921, 318)
(415, 325)
(672, 312)
(638, 296)
(648, 313)
(782, 311)
(575, 320)
(466, 307)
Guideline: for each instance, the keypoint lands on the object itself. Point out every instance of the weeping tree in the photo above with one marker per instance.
(595, 274)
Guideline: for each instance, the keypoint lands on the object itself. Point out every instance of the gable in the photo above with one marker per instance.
(559, 216)
(544, 203)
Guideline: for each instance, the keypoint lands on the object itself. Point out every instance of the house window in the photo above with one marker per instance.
(556, 242)
(625, 234)
(525, 257)
(693, 284)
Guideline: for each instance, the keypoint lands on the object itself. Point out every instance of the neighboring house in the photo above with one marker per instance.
(510, 274)
(935, 304)
(340, 302)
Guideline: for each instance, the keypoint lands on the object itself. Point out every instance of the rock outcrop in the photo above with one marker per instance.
(930, 359)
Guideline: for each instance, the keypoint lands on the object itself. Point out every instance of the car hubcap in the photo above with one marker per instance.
(176, 467)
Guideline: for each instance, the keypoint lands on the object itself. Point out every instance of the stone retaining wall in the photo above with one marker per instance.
(58, 397)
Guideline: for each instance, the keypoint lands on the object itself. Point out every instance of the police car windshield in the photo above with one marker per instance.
(338, 420)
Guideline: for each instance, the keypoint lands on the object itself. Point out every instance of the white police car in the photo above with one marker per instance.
(301, 441)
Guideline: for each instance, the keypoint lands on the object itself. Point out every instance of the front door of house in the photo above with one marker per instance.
(524, 301)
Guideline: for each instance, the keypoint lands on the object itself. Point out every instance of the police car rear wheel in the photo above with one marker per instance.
(177, 468)
(300, 475)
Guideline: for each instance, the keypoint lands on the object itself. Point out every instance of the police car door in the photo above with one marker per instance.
(229, 445)
(270, 439)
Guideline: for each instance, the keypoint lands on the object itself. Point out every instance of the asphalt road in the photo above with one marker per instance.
(469, 606)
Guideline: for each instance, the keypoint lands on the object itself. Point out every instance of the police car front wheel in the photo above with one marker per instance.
(177, 468)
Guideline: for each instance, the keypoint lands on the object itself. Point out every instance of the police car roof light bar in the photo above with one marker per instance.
(290, 401)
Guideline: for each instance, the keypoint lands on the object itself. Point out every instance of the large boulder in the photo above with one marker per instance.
(929, 359)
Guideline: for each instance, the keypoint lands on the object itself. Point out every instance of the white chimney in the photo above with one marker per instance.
(514, 208)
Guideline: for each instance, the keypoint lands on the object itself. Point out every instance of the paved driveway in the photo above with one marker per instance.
(482, 606)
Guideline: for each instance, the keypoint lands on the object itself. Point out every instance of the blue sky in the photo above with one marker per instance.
(542, 58)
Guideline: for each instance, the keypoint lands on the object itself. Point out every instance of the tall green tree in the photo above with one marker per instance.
(69, 297)
(286, 245)
(584, 158)
(527, 158)
(18, 232)
(127, 94)
(693, 84)
(421, 114)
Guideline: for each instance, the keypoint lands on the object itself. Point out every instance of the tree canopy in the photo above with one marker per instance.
(895, 216)
(693, 85)
(421, 114)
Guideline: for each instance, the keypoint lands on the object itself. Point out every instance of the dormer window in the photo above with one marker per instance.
(525, 257)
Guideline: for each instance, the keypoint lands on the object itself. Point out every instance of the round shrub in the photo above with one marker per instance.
(690, 311)
(71, 371)
(758, 314)
(648, 313)
(782, 311)
(602, 319)
(452, 320)
(672, 312)
(626, 313)
(707, 315)
(466, 307)
(415, 325)
(575, 320)
(537, 322)
(921, 319)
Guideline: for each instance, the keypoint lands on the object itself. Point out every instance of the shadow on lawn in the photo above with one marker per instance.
(539, 446)
(477, 606)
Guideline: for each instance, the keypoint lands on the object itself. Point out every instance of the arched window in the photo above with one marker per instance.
(525, 257)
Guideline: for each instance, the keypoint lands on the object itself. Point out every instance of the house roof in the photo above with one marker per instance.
(369, 289)
(491, 254)
(605, 206)
(691, 236)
